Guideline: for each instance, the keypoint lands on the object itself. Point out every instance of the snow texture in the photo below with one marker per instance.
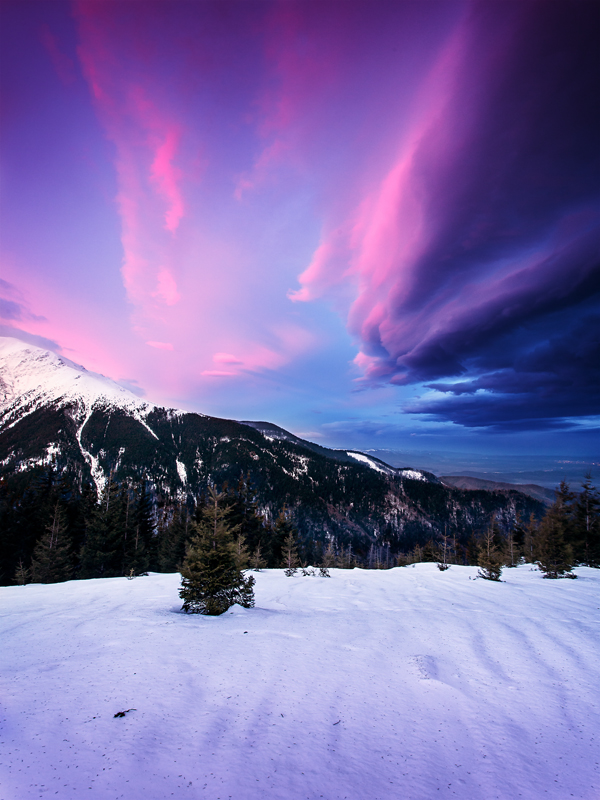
(181, 471)
(30, 374)
(372, 685)
(369, 462)
(413, 475)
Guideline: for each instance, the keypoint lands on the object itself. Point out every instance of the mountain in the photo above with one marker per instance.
(54, 412)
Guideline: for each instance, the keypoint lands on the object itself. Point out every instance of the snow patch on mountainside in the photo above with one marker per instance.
(369, 462)
(412, 474)
(181, 471)
(98, 475)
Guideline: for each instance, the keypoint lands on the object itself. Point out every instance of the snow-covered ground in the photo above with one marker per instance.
(410, 684)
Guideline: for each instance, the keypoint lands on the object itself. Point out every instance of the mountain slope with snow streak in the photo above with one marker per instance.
(31, 376)
(406, 684)
(54, 412)
(34, 379)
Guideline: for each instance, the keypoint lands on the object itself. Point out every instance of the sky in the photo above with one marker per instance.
(375, 224)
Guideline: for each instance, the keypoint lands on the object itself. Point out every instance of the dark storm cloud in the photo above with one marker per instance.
(509, 182)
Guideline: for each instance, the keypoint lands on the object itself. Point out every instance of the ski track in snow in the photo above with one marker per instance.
(371, 685)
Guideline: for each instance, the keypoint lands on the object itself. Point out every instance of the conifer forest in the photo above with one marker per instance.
(55, 528)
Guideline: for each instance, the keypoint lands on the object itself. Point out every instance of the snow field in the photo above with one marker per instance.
(371, 685)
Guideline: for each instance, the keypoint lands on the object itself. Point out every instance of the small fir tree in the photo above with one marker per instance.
(345, 559)
(554, 555)
(490, 559)
(22, 574)
(138, 533)
(52, 560)
(278, 537)
(290, 558)
(102, 551)
(173, 538)
(328, 561)
(257, 562)
(211, 579)
(444, 549)
(586, 524)
(530, 535)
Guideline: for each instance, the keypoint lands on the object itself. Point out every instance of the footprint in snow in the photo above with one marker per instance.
(426, 667)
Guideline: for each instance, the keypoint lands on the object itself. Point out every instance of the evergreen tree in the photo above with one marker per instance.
(490, 559)
(586, 524)
(279, 535)
(328, 560)
(516, 542)
(554, 554)
(512, 551)
(472, 554)
(52, 560)
(530, 535)
(246, 515)
(345, 559)
(102, 551)
(138, 532)
(22, 575)
(444, 548)
(211, 580)
(173, 539)
(290, 560)
(257, 562)
(430, 552)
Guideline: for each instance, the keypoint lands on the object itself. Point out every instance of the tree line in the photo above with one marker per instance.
(54, 528)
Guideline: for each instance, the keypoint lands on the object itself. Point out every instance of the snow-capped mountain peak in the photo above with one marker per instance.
(30, 375)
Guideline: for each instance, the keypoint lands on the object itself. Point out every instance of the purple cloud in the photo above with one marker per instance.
(488, 221)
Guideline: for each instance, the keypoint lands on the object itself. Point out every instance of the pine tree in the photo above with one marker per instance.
(52, 560)
(102, 551)
(290, 560)
(345, 559)
(530, 535)
(586, 524)
(257, 562)
(22, 574)
(138, 532)
(490, 559)
(554, 554)
(444, 549)
(246, 515)
(173, 539)
(278, 537)
(328, 561)
(516, 542)
(211, 580)
(512, 551)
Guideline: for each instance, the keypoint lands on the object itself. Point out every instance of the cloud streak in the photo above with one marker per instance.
(486, 223)
(354, 210)
(147, 137)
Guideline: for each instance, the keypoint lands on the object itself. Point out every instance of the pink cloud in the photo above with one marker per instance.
(160, 345)
(166, 288)
(215, 373)
(147, 138)
(226, 358)
(378, 245)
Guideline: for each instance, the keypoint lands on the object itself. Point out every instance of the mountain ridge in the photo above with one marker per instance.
(54, 413)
